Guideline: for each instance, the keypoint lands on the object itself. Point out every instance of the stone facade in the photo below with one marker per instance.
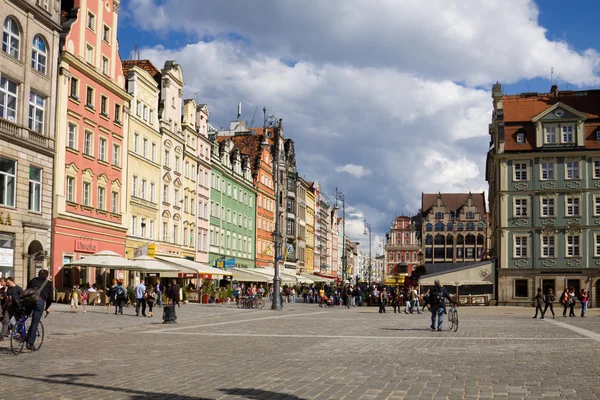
(310, 229)
(301, 210)
(402, 249)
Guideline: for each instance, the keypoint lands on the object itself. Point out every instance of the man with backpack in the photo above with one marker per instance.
(436, 301)
(36, 299)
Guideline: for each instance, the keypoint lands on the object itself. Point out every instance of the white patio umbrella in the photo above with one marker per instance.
(106, 259)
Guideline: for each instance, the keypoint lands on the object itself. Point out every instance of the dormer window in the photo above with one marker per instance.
(550, 134)
(520, 137)
(598, 135)
(439, 215)
(567, 133)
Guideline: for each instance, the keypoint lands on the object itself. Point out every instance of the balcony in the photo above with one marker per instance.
(291, 194)
(27, 137)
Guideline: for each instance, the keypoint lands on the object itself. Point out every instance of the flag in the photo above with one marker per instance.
(285, 253)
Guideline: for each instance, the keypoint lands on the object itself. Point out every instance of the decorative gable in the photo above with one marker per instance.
(558, 112)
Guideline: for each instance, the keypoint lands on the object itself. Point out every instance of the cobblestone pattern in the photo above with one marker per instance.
(306, 352)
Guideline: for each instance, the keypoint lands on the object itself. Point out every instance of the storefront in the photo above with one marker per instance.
(469, 281)
(74, 241)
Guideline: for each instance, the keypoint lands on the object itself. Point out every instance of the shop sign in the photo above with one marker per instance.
(205, 276)
(151, 250)
(230, 263)
(7, 249)
(86, 246)
(153, 274)
(186, 275)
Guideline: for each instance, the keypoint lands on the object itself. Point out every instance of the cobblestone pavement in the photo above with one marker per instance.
(307, 352)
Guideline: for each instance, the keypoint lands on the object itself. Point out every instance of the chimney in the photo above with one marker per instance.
(554, 90)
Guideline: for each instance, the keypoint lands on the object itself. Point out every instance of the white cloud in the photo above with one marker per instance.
(358, 171)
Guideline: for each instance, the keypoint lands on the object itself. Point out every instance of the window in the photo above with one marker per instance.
(117, 113)
(91, 21)
(152, 192)
(520, 207)
(138, 111)
(550, 136)
(134, 186)
(36, 112)
(520, 246)
(186, 171)
(520, 171)
(177, 198)
(104, 106)
(72, 136)
(86, 193)
(35, 189)
(89, 54)
(597, 247)
(88, 143)
(185, 204)
(116, 155)
(521, 288)
(290, 227)
(185, 234)
(136, 143)
(142, 227)
(547, 171)
(70, 189)
(151, 230)
(165, 231)
(8, 99)
(101, 205)
(153, 152)
(114, 203)
(133, 225)
(567, 134)
(439, 215)
(572, 208)
(176, 163)
(43, 4)
(548, 246)
(102, 147)
(572, 246)
(572, 169)
(166, 193)
(547, 207)
(143, 189)
(145, 148)
(74, 88)
(175, 236)
(38, 54)
(106, 34)
(597, 135)
(166, 160)
(470, 215)
(520, 137)
(89, 97)
(11, 38)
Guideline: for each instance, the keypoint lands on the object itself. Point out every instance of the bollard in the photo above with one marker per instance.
(169, 316)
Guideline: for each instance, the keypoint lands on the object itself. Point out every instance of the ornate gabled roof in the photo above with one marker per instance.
(453, 201)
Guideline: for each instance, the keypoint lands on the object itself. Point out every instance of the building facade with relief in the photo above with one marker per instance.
(28, 74)
(543, 170)
(334, 243)
(143, 155)
(402, 250)
(232, 198)
(301, 191)
(289, 190)
(310, 229)
(454, 227)
(91, 141)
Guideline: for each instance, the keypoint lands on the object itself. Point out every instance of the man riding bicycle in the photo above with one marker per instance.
(43, 304)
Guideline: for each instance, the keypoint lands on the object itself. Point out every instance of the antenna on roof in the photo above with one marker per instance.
(135, 54)
(239, 110)
(551, 75)
(252, 123)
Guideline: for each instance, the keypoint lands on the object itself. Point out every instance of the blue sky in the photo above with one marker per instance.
(384, 102)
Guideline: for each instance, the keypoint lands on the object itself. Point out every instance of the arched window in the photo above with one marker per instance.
(439, 226)
(449, 239)
(479, 239)
(480, 226)
(460, 239)
(459, 227)
(470, 226)
(450, 226)
(38, 54)
(470, 239)
(439, 239)
(428, 239)
(11, 39)
(428, 227)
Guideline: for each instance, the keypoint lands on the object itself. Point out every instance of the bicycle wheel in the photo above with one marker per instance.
(39, 334)
(260, 303)
(17, 338)
(455, 321)
(240, 303)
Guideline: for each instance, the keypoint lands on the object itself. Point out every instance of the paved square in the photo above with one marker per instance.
(307, 352)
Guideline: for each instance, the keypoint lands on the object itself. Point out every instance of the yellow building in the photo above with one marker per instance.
(143, 156)
(310, 229)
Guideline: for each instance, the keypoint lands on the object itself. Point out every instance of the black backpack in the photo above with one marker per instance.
(435, 296)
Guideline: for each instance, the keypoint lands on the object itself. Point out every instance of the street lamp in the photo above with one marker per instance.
(273, 122)
(340, 196)
(368, 230)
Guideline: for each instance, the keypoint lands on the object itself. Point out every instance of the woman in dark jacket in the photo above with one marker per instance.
(549, 300)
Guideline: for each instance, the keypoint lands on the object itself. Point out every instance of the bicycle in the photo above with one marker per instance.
(453, 317)
(19, 333)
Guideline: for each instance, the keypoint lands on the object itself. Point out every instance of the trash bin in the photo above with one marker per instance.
(169, 316)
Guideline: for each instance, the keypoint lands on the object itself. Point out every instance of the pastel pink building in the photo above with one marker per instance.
(91, 146)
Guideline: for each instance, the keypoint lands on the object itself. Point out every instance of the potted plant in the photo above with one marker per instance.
(208, 289)
(184, 296)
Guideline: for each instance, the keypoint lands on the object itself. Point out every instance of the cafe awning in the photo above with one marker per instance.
(106, 259)
(270, 273)
(201, 270)
(316, 279)
(152, 266)
(240, 275)
(479, 273)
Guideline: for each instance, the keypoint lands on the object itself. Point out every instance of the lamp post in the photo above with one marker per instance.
(340, 196)
(273, 122)
(368, 230)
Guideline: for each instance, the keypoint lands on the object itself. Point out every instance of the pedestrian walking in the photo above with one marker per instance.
(43, 287)
(140, 299)
(84, 299)
(120, 297)
(75, 299)
(572, 301)
(564, 301)
(436, 302)
(348, 295)
(583, 297)
(414, 296)
(549, 300)
(109, 294)
(396, 300)
(539, 300)
(407, 302)
(12, 305)
(173, 294)
(150, 300)
(382, 300)
(158, 292)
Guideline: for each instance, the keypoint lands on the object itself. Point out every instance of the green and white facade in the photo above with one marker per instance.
(543, 169)
(232, 202)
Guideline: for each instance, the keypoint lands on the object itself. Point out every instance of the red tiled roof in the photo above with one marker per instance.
(146, 65)
(521, 108)
(453, 201)
(247, 144)
(510, 137)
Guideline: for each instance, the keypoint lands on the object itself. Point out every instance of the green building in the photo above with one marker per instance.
(543, 169)
(232, 216)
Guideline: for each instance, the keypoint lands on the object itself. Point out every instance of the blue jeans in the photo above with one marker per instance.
(158, 299)
(417, 305)
(36, 316)
(120, 303)
(583, 308)
(440, 316)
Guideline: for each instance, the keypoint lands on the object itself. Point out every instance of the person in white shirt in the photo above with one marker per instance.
(140, 299)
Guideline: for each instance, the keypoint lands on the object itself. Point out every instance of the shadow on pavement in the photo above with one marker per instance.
(258, 394)
(405, 329)
(71, 379)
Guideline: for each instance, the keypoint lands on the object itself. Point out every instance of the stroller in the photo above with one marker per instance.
(327, 301)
